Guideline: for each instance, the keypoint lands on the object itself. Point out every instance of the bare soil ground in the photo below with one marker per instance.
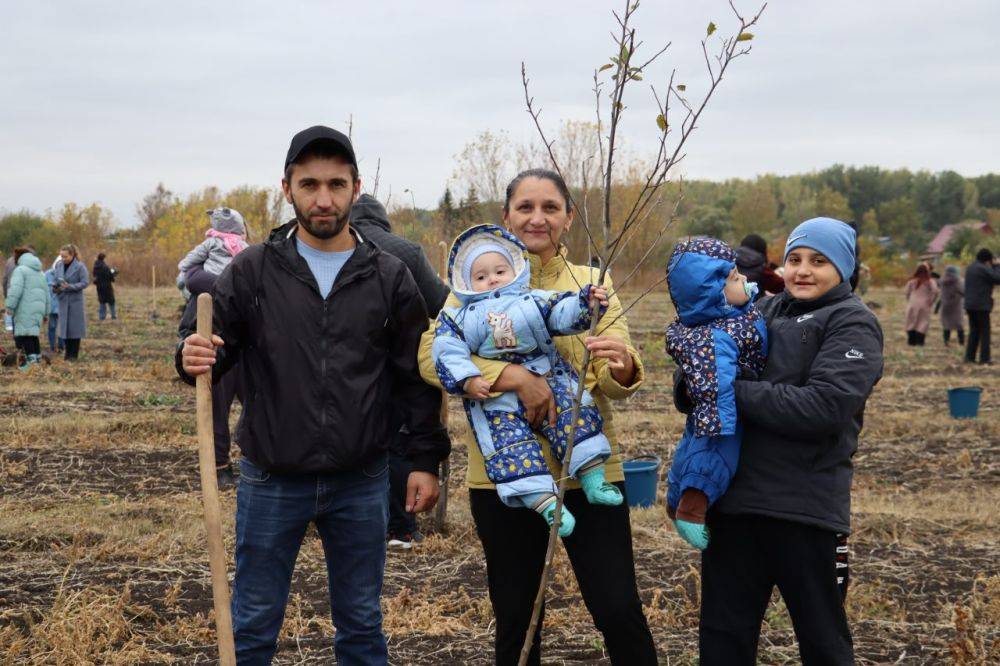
(102, 556)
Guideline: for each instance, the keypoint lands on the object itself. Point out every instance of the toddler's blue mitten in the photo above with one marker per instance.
(695, 534)
(567, 523)
(597, 490)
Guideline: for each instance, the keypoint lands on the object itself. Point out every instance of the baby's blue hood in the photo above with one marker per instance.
(696, 277)
(487, 233)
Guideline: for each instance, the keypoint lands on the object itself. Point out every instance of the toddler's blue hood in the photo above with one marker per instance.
(696, 277)
(467, 241)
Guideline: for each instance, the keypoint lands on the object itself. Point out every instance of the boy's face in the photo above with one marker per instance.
(735, 291)
(490, 271)
(809, 274)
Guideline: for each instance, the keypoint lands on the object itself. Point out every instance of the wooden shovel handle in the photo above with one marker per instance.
(210, 497)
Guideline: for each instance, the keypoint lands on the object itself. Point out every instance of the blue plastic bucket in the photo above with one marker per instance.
(641, 476)
(964, 402)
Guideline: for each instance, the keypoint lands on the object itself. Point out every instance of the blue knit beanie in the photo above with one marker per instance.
(832, 238)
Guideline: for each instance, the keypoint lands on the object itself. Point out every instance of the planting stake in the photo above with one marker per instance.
(441, 512)
(154, 314)
(210, 497)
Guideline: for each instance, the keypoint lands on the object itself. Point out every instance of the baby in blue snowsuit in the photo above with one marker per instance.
(501, 318)
(718, 335)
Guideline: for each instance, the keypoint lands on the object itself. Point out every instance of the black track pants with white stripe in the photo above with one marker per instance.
(746, 558)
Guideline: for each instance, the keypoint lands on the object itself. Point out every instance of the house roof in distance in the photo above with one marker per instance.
(940, 242)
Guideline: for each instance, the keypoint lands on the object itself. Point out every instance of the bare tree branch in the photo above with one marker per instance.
(535, 115)
(635, 302)
(642, 208)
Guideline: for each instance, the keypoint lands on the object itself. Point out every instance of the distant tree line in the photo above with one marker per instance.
(896, 210)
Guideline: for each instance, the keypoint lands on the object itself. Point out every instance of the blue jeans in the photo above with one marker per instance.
(53, 337)
(102, 312)
(272, 513)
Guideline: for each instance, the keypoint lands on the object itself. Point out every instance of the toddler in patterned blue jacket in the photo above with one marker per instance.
(502, 318)
(718, 336)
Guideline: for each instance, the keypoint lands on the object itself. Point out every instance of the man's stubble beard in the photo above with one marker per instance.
(326, 231)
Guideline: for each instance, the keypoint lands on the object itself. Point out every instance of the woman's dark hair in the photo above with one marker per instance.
(542, 174)
(983, 255)
(20, 252)
(755, 242)
(100, 256)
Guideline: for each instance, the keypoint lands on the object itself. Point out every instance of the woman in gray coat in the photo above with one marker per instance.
(71, 279)
(952, 291)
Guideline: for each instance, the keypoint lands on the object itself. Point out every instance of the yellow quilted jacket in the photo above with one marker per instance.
(557, 275)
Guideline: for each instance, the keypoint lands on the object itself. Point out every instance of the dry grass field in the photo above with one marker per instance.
(102, 556)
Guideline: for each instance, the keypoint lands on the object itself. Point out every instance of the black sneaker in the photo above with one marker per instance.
(404, 541)
(224, 477)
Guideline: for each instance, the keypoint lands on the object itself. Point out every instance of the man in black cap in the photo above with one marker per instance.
(327, 327)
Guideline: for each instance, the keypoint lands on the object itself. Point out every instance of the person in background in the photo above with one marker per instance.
(55, 342)
(369, 217)
(8, 270)
(104, 277)
(980, 278)
(752, 262)
(199, 270)
(950, 304)
(28, 303)
(921, 290)
(71, 279)
(864, 278)
(229, 386)
(225, 238)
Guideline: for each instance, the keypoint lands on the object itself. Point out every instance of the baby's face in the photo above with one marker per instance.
(490, 271)
(734, 290)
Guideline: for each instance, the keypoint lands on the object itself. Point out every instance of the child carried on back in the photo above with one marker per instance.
(717, 337)
(501, 318)
(226, 237)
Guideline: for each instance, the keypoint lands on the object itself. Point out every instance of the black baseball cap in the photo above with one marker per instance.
(320, 133)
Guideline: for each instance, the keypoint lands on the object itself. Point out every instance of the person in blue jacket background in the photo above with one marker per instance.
(718, 336)
(501, 318)
(50, 278)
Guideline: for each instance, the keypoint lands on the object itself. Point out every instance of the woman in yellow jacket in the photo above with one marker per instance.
(537, 210)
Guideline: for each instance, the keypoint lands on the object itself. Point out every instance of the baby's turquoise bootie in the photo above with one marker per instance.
(695, 534)
(597, 490)
(567, 523)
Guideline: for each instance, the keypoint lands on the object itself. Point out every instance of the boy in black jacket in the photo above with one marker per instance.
(785, 518)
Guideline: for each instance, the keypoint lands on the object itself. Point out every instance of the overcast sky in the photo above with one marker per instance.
(101, 100)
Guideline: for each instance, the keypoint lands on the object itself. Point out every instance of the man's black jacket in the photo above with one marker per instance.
(368, 216)
(324, 374)
(980, 278)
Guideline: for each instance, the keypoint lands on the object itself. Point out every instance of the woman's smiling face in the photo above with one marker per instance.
(538, 216)
(809, 274)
